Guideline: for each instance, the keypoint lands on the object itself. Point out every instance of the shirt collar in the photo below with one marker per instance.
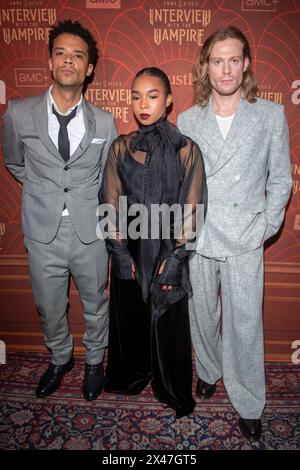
(51, 102)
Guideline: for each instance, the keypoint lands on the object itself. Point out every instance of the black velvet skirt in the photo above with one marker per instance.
(144, 348)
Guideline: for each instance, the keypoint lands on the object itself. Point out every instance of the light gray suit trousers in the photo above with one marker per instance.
(238, 354)
(50, 267)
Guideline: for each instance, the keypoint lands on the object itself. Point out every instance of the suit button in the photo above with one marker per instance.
(66, 190)
(237, 177)
(66, 168)
(235, 204)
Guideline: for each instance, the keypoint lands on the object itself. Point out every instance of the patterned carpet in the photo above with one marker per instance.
(66, 421)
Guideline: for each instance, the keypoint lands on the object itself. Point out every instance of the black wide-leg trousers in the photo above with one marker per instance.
(146, 347)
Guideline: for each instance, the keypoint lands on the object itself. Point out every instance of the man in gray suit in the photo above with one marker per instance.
(245, 146)
(56, 145)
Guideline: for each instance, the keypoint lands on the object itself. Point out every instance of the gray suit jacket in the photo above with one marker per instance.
(48, 183)
(248, 175)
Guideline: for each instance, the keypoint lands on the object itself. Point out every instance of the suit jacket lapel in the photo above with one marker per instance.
(40, 120)
(245, 120)
(90, 129)
(207, 134)
(209, 129)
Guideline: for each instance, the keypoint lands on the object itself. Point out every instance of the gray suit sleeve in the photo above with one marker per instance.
(13, 148)
(279, 182)
(179, 123)
(112, 135)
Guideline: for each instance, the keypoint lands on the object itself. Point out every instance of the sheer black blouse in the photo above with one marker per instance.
(158, 166)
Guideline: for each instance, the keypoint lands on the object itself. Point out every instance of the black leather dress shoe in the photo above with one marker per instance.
(205, 390)
(51, 379)
(250, 428)
(93, 383)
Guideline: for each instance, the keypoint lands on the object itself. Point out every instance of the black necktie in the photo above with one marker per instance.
(63, 138)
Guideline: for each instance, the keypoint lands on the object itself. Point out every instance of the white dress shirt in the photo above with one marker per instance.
(76, 127)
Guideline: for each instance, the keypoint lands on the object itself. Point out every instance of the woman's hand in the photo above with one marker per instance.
(133, 270)
(164, 287)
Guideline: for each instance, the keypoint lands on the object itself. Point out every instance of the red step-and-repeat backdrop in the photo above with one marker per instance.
(132, 35)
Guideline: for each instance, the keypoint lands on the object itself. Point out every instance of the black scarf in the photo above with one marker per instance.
(161, 142)
(163, 175)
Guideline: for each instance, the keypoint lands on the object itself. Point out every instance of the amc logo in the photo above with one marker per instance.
(31, 77)
(259, 5)
(103, 4)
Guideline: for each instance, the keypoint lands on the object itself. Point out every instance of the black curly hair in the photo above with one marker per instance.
(75, 28)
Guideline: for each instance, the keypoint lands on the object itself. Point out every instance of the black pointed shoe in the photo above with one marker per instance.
(93, 383)
(250, 428)
(51, 379)
(205, 390)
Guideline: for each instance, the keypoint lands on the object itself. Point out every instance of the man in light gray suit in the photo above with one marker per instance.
(245, 146)
(56, 145)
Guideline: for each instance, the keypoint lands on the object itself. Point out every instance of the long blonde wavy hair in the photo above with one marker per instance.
(201, 82)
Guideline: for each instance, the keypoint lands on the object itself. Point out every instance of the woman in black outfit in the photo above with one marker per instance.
(149, 337)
